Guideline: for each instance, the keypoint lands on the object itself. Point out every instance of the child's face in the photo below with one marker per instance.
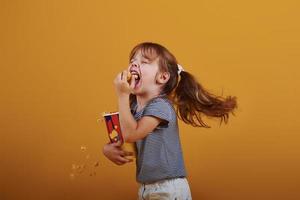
(146, 72)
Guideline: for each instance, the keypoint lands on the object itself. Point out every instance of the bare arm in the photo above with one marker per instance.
(115, 154)
(132, 130)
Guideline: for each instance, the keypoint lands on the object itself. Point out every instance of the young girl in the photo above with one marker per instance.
(159, 91)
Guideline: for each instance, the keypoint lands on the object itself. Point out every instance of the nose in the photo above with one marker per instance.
(134, 64)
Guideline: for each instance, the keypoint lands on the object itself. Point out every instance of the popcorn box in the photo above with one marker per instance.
(114, 131)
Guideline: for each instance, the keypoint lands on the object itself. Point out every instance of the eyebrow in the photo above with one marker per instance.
(145, 58)
(133, 59)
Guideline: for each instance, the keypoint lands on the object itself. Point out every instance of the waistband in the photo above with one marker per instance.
(162, 181)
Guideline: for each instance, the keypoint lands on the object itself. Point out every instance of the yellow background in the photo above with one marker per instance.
(58, 60)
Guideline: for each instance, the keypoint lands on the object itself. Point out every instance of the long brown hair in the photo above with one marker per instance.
(191, 99)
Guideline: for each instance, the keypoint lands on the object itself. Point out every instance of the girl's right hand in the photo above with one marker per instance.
(121, 84)
(114, 153)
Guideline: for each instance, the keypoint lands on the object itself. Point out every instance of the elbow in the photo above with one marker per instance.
(129, 138)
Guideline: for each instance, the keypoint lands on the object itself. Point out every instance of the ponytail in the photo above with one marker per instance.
(192, 101)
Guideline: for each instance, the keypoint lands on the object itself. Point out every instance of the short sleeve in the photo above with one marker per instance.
(161, 109)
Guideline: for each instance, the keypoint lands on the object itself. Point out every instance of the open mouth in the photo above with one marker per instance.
(136, 76)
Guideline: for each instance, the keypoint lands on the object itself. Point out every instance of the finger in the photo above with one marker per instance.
(118, 77)
(123, 153)
(121, 75)
(117, 144)
(128, 153)
(124, 77)
(129, 160)
(123, 159)
(132, 82)
(119, 163)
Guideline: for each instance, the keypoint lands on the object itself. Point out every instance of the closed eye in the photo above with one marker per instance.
(145, 61)
(131, 61)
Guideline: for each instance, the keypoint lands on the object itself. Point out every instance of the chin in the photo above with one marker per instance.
(137, 92)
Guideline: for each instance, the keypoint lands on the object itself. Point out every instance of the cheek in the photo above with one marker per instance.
(151, 77)
(151, 72)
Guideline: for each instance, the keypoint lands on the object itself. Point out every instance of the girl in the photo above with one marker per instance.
(148, 118)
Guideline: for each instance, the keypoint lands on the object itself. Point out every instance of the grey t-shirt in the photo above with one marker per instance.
(159, 154)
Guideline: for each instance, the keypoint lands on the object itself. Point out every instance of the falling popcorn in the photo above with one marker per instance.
(81, 168)
(72, 176)
(96, 164)
(83, 148)
(93, 174)
(77, 167)
(74, 167)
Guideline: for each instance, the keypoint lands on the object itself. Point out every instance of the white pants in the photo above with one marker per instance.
(170, 189)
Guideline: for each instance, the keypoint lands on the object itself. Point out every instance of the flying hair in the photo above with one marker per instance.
(192, 101)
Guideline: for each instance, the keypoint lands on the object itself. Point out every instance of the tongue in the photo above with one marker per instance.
(136, 82)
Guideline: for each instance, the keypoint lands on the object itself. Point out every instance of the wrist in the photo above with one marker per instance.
(123, 97)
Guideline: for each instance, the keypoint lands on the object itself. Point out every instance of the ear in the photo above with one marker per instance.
(163, 77)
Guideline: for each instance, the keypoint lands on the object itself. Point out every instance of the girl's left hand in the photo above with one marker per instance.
(114, 152)
(121, 84)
